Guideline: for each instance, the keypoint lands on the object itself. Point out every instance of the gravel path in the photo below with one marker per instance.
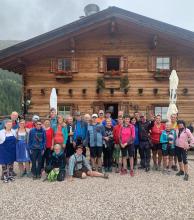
(146, 196)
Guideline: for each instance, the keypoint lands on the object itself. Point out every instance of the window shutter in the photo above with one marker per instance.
(74, 65)
(174, 62)
(123, 64)
(152, 63)
(101, 64)
(53, 65)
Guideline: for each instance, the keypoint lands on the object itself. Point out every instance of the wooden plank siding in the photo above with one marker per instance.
(131, 43)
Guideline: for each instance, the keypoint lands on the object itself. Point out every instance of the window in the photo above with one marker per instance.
(64, 110)
(163, 63)
(113, 63)
(64, 64)
(161, 110)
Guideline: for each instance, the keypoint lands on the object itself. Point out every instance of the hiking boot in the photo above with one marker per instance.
(131, 173)
(174, 167)
(123, 171)
(186, 177)
(105, 176)
(180, 173)
(147, 169)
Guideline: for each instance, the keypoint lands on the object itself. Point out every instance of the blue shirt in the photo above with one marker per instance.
(112, 121)
(37, 139)
(80, 130)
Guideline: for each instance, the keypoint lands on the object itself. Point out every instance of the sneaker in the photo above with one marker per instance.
(123, 171)
(180, 173)
(12, 178)
(186, 177)
(34, 177)
(147, 169)
(105, 176)
(168, 171)
(131, 173)
(5, 179)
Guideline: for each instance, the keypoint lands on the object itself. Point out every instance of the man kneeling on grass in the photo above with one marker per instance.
(79, 166)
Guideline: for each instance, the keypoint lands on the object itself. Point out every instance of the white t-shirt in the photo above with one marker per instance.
(4, 134)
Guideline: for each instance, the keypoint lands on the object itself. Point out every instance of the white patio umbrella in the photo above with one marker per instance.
(173, 82)
(53, 99)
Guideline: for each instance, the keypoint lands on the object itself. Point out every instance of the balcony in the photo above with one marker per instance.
(161, 75)
(63, 75)
(112, 75)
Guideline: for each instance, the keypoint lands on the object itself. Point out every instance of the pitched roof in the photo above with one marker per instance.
(179, 33)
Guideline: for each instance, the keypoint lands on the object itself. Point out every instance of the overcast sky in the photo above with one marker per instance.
(24, 19)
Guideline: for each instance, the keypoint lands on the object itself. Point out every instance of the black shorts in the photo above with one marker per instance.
(168, 152)
(78, 173)
(69, 150)
(182, 155)
(95, 152)
(156, 147)
(128, 149)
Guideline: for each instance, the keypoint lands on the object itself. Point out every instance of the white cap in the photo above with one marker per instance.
(35, 118)
(94, 115)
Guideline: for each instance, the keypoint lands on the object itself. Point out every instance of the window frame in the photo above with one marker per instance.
(106, 63)
(62, 70)
(64, 112)
(162, 69)
(161, 113)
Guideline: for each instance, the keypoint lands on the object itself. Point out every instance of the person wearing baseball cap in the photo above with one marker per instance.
(95, 137)
(79, 166)
(108, 115)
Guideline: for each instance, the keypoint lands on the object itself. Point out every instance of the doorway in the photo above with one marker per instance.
(114, 109)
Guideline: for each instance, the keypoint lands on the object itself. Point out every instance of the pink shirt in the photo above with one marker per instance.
(185, 136)
(127, 134)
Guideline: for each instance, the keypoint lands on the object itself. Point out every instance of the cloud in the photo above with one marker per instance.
(24, 19)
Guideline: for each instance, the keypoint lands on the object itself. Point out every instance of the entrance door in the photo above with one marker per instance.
(114, 109)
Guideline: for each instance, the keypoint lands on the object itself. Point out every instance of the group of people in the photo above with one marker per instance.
(58, 146)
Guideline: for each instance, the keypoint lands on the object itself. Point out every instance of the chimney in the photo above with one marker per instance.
(91, 9)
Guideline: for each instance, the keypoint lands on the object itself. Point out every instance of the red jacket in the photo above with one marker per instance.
(156, 132)
(116, 134)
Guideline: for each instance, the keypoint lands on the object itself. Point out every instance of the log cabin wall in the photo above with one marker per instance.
(130, 42)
